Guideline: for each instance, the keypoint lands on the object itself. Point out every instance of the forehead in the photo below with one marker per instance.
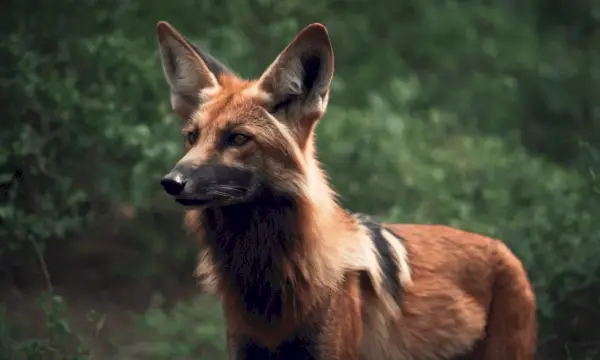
(236, 101)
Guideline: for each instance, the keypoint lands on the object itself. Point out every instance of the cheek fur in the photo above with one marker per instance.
(246, 156)
(279, 161)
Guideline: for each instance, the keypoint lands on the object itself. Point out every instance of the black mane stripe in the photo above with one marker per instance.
(388, 260)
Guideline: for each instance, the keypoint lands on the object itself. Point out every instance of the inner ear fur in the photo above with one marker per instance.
(302, 73)
(188, 70)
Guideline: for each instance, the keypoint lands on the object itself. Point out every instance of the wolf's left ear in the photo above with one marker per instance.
(301, 75)
(189, 71)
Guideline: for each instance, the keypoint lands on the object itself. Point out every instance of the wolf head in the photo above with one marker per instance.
(245, 138)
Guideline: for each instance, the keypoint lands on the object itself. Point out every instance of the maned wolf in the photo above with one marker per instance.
(297, 275)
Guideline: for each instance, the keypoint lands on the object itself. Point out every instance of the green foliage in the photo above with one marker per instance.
(66, 102)
(490, 126)
(191, 330)
(56, 343)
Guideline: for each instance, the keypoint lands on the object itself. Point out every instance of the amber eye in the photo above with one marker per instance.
(192, 137)
(237, 139)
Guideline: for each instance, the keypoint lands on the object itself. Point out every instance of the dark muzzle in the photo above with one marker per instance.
(209, 184)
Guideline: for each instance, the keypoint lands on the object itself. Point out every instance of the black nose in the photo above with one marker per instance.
(173, 183)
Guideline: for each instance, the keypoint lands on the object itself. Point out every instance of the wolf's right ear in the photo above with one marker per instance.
(189, 72)
(301, 75)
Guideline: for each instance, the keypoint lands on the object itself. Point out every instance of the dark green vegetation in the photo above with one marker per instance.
(480, 115)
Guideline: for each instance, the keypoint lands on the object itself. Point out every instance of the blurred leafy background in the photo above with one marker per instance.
(482, 115)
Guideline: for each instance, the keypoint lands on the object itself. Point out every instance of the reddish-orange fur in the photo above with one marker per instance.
(464, 286)
(463, 294)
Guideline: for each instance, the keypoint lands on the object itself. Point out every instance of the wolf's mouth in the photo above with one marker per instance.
(191, 202)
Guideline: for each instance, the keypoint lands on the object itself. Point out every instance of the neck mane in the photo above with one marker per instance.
(274, 260)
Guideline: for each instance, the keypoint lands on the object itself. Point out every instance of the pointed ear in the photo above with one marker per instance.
(298, 80)
(189, 71)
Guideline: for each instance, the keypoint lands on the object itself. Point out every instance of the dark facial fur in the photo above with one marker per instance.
(211, 185)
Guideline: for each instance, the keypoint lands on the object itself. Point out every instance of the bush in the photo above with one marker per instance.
(55, 341)
(191, 330)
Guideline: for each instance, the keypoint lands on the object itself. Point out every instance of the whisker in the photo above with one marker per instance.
(223, 194)
(230, 188)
